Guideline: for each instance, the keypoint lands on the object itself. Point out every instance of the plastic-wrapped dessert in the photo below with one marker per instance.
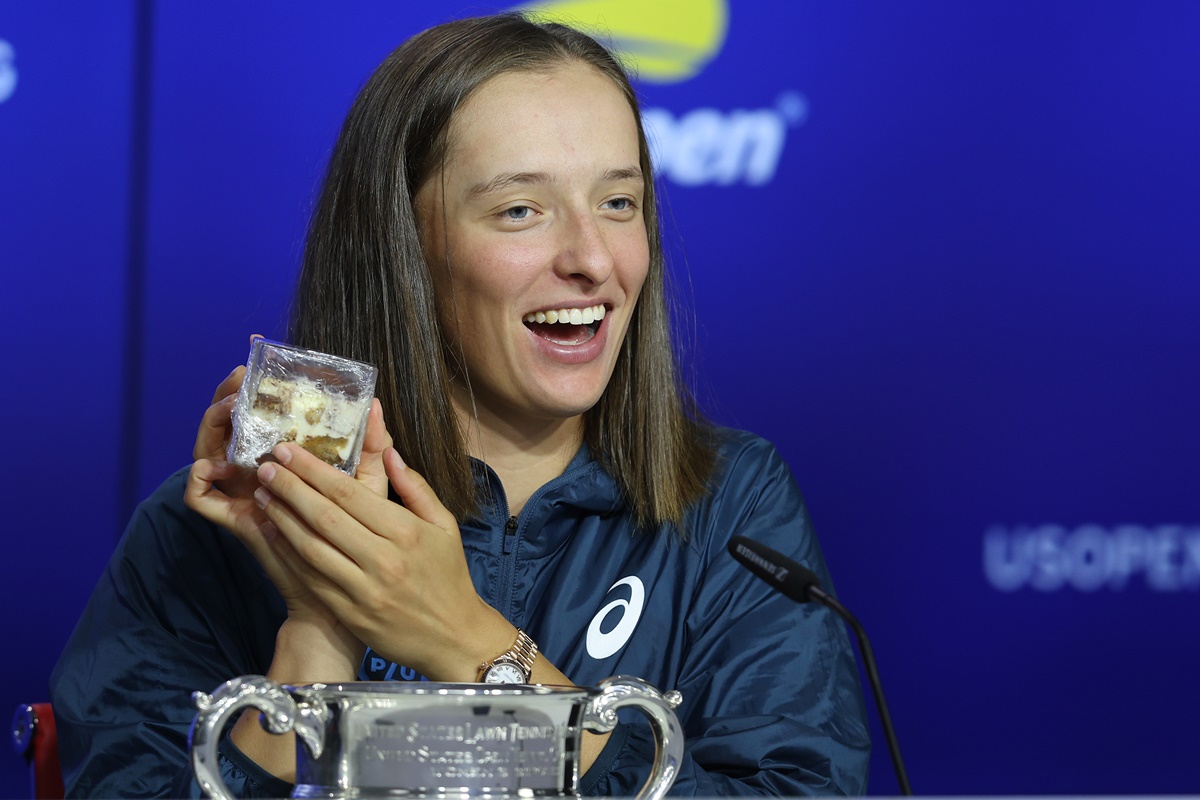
(316, 400)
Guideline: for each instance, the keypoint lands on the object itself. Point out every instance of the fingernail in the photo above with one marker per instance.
(266, 472)
(261, 497)
(396, 455)
(282, 454)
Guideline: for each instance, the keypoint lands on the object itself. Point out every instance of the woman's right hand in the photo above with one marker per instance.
(223, 493)
(312, 644)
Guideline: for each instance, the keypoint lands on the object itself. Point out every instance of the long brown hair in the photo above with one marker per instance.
(365, 290)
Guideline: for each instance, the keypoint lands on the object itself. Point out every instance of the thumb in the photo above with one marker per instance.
(376, 440)
(416, 493)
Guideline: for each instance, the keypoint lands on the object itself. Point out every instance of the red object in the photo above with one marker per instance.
(36, 738)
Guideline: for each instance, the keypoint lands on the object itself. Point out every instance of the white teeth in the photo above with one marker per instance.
(568, 316)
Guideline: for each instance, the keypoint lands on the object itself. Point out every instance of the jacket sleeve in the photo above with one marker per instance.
(240, 775)
(772, 700)
(181, 607)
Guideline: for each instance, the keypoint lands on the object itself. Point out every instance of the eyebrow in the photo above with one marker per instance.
(623, 174)
(507, 179)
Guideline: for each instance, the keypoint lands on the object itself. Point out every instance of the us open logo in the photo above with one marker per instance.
(659, 45)
(8, 70)
(1091, 558)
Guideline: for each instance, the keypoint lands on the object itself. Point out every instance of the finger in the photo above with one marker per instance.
(300, 573)
(204, 498)
(307, 536)
(376, 440)
(213, 470)
(215, 429)
(290, 575)
(201, 496)
(416, 493)
(318, 491)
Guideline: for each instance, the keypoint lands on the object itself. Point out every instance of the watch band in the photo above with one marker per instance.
(521, 655)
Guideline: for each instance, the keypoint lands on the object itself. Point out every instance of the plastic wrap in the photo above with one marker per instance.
(319, 401)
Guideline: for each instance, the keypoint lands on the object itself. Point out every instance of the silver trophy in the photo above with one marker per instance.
(424, 739)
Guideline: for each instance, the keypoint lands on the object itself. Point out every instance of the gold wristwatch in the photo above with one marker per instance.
(514, 665)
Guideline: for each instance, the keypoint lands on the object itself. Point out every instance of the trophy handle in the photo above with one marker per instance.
(600, 716)
(280, 714)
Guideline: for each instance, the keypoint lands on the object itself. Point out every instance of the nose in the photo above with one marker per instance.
(584, 254)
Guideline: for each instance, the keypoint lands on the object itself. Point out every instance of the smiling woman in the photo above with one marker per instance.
(488, 236)
(479, 112)
(513, 231)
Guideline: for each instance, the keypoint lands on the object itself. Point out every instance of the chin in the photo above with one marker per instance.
(556, 408)
(567, 398)
(569, 412)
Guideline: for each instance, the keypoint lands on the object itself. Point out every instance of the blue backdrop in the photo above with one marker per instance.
(944, 254)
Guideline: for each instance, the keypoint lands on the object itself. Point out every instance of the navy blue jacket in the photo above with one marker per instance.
(771, 698)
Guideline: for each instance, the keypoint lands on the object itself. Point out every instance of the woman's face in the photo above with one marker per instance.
(538, 214)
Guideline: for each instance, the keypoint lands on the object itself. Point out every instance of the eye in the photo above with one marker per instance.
(517, 213)
(620, 204)
(621, 208)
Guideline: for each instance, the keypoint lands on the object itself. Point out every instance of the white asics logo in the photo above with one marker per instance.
(602, 644)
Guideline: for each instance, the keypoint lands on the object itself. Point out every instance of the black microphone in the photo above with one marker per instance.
(802, 585)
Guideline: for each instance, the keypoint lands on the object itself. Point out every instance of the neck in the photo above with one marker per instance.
(525, 455)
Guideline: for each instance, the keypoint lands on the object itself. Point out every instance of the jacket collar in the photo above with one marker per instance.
(584, 486)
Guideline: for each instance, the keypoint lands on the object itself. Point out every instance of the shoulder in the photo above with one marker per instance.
(752, 493)
(749, 470)
(741, 451)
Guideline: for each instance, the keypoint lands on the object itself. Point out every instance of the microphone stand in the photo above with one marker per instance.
(802, 585)
(864, 647)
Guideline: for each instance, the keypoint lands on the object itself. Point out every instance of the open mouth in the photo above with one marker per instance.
(566, 326)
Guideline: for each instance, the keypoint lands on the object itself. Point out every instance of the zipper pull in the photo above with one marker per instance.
(510, 535)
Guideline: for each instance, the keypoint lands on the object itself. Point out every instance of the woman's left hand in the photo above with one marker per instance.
(393, 574)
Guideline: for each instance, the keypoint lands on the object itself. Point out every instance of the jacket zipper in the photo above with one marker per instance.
(509, 544)
(510, 535)
(507, 566)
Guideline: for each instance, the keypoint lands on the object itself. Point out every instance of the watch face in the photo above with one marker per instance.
(504, 673)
